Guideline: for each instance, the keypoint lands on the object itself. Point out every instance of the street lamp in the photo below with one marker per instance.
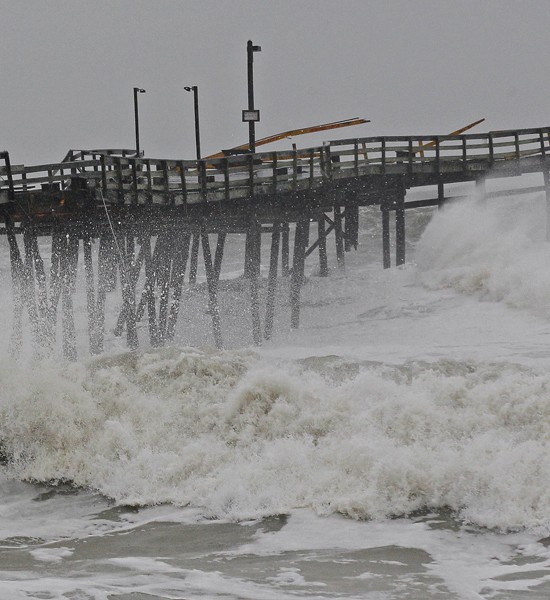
(195, 91)
(251, 115)
(136, 118)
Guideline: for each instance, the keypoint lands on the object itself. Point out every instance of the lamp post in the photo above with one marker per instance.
(195, 91)
(251, 115)
(136, 117)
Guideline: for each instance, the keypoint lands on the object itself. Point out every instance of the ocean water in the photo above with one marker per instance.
(395, 446)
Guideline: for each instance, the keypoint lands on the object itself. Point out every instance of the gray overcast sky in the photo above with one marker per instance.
(411, 66)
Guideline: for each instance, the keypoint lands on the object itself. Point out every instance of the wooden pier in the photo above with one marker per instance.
(140, 224)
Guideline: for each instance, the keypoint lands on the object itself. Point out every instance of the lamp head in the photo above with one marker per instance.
(190, 88)
(139, 90)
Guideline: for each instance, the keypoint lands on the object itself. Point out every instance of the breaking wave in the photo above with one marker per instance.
(241, 437)
(495, 250)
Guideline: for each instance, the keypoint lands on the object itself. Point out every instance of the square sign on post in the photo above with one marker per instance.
(251, 115)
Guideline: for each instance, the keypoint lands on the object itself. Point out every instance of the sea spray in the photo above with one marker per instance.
(495, 250)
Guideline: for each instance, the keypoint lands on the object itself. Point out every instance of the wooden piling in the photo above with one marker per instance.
(162, 260)
(323, 260)
(91, 304)
(194, 258)
(253, 262)
(400, 230)
(339, 238)
(212, 285)
(69, 263)
(386, 254)
(148, 296)
(29, 294)
(128, 313)
(298, 264)
(272, 280)
(16, 264)
(218, 256)
(179, 265)
(352, 227)
(285, 250)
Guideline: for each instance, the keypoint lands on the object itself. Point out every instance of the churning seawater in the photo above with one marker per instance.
(395, 446)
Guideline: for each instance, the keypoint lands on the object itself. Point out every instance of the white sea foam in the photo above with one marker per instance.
(245, 438)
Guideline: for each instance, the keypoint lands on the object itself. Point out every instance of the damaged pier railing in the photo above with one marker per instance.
(123, 177)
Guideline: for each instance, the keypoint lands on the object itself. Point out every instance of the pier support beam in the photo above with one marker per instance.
(194, 258)
(18, 292)
(148, 294)
(352, 227)
(285, 250)
(252, 272)
(69, 263)
(386, 254)
(323, 260)
(400, 229)
(272, 280)
(127, 283)
(91, 304)
(339, 238)
(179, 264)
(300, 244)
(212, 284)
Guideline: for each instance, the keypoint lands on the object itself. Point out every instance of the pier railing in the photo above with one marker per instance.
(126, 178)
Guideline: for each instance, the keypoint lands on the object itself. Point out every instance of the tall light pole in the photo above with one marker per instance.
(195, 91)
(251, 115)
(136, 116)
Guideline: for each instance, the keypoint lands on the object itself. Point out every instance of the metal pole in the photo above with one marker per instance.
(136, 117)
(250, 49)
(195, 91)
(251, 124)
(197, 131)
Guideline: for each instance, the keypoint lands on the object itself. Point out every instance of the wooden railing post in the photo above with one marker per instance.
(120, 183)
(7, 163)
(103, 173)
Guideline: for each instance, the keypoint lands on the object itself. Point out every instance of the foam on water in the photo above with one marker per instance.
(243, 437)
